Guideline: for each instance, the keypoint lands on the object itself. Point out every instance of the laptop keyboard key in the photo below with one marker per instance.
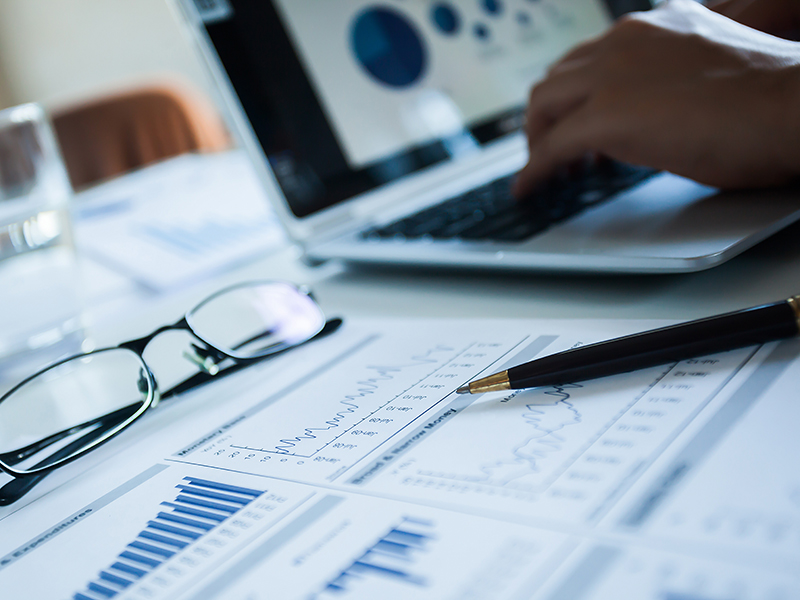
(492, 213)
(521, 231)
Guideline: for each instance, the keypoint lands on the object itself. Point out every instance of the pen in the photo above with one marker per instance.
(729, 331)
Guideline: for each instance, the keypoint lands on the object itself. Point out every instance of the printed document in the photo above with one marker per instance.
(178, 222)
(350, 468)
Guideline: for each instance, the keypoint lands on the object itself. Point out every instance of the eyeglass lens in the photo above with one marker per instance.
(65, 409)
(254, 320)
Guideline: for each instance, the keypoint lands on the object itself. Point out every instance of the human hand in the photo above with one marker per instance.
(680, 89)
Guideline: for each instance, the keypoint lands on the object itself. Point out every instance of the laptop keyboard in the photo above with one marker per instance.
(490, 212)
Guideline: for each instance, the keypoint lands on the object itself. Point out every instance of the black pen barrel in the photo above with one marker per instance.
(739, 329)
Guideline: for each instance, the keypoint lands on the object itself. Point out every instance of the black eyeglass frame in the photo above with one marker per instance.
(209, 359)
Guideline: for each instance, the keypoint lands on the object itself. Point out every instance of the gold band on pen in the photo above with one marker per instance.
(794, 302)
(494, 383)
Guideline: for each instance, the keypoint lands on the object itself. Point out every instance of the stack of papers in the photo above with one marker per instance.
(179, 221)
(351, 469)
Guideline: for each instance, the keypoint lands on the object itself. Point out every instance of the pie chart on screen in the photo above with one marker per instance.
(445, 18)
(389, 47)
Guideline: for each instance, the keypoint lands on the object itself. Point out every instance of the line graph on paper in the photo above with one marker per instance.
(325, 426)
(530, 439)
(388, 421)
(567, 450)
(543, 430)
(353, 409)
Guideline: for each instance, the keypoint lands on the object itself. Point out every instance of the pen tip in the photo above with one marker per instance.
(463, 390)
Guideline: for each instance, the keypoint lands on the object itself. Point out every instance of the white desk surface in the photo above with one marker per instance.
(118, 307)
(764, 274)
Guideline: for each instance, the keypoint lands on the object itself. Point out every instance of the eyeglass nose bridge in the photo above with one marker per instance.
(205, 357)
(138, 345)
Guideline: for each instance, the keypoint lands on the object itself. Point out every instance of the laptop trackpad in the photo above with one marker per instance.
(671, 217)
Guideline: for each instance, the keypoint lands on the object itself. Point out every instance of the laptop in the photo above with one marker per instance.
(388, 132)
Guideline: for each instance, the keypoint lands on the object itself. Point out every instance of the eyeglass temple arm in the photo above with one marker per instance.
(19, 486)
(208, 358)
(255, 338)
(202, 378)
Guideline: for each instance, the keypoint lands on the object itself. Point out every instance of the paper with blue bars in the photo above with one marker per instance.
(351, 470)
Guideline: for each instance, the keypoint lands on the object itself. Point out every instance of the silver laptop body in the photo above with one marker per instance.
(358, 114)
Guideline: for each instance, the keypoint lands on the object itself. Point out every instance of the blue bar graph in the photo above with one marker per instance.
(199, 507)
(203, 237)
(393, 556)
(680, 596)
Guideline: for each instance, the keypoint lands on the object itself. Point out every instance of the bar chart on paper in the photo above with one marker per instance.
(152, 537)
(361, 548)
(200, 510)
(391, 562)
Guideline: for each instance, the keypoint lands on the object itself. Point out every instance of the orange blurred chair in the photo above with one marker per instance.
(119, 132)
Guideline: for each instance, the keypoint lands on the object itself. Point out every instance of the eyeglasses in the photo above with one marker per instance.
(75, 405)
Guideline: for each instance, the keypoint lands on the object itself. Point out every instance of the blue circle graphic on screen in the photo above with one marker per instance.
(493, 7)
(446, 18)
(482, 32)
(389, 48)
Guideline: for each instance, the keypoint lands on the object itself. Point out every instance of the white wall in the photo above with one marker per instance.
(57, 50)
(4, 95)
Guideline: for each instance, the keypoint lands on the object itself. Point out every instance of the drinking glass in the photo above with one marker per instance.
(40, 306)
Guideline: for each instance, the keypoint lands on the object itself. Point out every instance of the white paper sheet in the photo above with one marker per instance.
(351, 470)
(179, 221)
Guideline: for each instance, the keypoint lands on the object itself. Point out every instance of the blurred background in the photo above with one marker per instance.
(60, 51)
(138, 235)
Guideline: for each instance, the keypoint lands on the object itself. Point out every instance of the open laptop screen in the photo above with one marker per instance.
(348, 95)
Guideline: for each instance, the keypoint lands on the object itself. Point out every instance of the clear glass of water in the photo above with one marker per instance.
(40, 302)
